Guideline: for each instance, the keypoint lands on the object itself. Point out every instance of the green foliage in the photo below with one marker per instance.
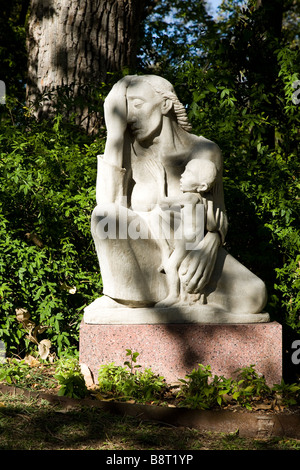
(198, 391)
(112, 378)
(248, 377)
(128, 382)
(288, 284)
(288, 394)
(249, 385)
(13, 371)
(48, 264)
(21, 374)
(202, 390)
(70, 378)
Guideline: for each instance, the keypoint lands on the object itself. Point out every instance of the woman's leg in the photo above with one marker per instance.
(129, 257)
(235, 288)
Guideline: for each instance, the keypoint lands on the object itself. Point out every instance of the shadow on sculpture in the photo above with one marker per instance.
(160, 223)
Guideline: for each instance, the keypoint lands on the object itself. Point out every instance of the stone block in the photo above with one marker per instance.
(174, 350)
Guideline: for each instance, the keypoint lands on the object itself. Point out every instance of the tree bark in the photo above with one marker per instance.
(75, 44)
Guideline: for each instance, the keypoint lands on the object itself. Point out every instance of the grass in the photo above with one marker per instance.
(29, 424)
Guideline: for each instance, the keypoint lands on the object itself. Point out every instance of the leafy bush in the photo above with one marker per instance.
(127, 382)
(14, 371)
(249, 385)
(248, 377)
(21, 373)
(287, 394)
(113, 379)
(70, 378)
(198, 391)
(48, 263)
(201, 390)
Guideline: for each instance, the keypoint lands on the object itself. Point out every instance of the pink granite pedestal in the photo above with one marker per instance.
(174, 350)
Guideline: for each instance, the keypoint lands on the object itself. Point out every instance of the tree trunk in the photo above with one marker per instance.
(75, 44)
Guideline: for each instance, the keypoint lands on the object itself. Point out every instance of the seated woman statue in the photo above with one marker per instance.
(147, 128)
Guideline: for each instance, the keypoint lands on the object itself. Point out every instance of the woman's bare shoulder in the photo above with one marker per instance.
(207, 149)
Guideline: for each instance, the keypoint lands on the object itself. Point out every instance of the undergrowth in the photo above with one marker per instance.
(130, 382)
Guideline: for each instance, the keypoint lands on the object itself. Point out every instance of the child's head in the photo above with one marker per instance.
(199, 175)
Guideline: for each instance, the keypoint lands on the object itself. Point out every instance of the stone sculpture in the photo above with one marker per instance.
(160, 221)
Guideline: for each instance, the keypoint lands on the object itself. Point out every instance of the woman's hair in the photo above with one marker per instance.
(165, 89)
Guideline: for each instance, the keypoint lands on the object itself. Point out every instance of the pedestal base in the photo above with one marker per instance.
(105, 311)
(174, 350)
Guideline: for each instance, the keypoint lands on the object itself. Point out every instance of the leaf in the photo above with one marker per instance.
(134, 356)
(31, 360)
(44, 348)
(211, 87)
(22, 314)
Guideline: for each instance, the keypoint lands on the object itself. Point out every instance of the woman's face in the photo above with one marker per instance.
(144, 111)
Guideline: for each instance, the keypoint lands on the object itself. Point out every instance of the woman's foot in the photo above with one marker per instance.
(168, 302)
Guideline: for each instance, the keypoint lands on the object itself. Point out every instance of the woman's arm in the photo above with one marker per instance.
(114, 166)
(115, 114)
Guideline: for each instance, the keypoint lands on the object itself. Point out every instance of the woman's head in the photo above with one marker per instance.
(149, 98)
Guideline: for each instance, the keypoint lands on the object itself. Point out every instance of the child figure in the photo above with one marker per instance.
(198, 178)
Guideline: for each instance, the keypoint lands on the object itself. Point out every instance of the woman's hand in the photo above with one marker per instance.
(198, 265)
